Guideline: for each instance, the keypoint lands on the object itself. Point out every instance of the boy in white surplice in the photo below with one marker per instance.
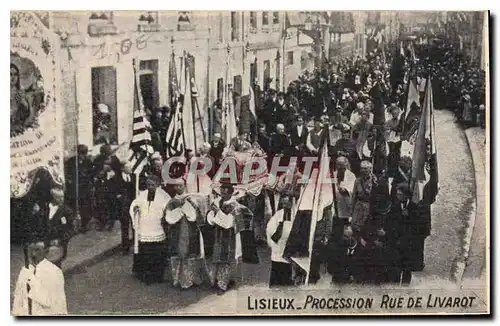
(45, 282)
(149, 248)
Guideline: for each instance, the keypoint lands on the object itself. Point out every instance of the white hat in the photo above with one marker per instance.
(156, 156)
(103, 108)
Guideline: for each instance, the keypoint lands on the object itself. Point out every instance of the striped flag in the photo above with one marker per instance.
(174, 137)
(198, 128)
(424, 178)
(140, 146)
(187, 113)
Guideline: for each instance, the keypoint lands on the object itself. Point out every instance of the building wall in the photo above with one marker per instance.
(207, 39)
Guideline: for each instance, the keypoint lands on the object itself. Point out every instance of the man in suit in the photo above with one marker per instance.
(240, 143)
(280, 144)
(298, 136)
(217, 146)
(55, 222)
(80, 185)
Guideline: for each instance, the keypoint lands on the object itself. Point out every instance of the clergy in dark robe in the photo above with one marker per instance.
(277, 231)
(234, 240)
(281, 146)
(149, 240)
(185, 247)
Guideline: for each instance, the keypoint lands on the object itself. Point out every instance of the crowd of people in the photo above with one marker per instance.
(354, 105)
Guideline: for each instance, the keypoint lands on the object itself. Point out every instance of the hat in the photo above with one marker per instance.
(345, 127)
(156, 156)
(103, 108)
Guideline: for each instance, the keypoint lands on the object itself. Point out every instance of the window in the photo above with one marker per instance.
(104, 113)
(234, 26)
(183, 17)
(149, 84)
(276, 17)
(253, 20)
(148, 22)
(101, 15)
(289, 58)
(150, 17)
(184, 21)
(101, 23)
(265, 18)
(238, 87)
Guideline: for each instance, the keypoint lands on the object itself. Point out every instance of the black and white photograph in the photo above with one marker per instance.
(249, 163)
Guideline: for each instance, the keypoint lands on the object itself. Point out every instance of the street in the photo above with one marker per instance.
(108, 287)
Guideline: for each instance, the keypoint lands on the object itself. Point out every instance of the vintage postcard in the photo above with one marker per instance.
(249, 162)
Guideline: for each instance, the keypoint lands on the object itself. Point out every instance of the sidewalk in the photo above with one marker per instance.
(83, 250)
(476, 260)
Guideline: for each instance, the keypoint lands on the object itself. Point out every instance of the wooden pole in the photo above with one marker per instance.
(28, 288)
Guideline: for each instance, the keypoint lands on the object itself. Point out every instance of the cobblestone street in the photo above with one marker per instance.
(109, 286)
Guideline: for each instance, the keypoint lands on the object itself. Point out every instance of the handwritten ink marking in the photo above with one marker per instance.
(125, 46)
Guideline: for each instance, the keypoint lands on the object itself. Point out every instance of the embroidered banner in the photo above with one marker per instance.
(35, 122)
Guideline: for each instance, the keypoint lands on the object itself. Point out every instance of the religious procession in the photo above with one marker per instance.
(332, 177)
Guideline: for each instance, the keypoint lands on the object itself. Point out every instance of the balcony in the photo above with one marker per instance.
(99, 27)
(148, 28)
(253, 30)
(101, 23)
(276, 28)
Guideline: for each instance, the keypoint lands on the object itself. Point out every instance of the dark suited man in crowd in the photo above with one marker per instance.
(81, 185)
(281, 144)
(123, 192)
(411, 230)
(217, 146)
(55, 222)
(264, 139)
(298, 136)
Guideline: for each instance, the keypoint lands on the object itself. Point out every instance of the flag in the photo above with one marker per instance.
(315, 205)
(411, 112)
(140, 146)
(251, 104)
(197, 126)
(187, 111)
(174, 136)
(228, 118)
(424, 176)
